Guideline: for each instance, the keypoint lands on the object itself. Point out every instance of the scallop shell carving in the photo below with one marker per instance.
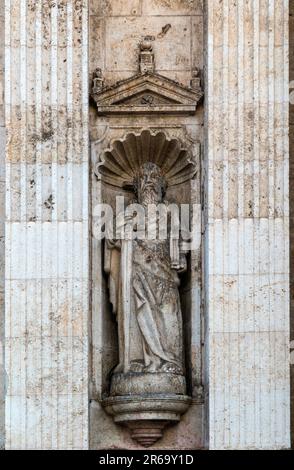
(121, 161)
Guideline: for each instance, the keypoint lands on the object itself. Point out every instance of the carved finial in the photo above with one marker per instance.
(146, 55)
(97, 80)
(195, 81)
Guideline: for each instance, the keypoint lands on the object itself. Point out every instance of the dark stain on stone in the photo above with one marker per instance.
(49, 203)
(164, 30)
(44, 137)
(47, 135)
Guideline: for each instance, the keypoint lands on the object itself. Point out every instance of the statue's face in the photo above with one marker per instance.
(150, 184)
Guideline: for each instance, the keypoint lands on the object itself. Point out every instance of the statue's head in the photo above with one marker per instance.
(149, 184)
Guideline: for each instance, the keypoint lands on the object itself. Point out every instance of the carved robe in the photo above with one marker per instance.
(154, 336)
(158, 310)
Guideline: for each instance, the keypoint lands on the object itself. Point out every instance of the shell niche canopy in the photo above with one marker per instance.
(121, 162)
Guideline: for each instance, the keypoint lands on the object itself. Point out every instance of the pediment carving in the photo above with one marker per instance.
(147, 97)
(147, 93)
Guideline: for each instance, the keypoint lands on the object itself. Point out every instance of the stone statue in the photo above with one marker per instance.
(148, 388)
(144, 289)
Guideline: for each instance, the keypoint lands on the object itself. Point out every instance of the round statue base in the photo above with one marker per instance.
(136, 383)
(147, 416)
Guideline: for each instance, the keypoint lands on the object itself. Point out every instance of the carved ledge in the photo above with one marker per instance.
(147, 93)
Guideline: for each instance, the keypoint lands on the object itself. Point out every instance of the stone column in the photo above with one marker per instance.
(247, 218)
(46, 106)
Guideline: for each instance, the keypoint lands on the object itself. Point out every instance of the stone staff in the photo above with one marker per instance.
(126, 276)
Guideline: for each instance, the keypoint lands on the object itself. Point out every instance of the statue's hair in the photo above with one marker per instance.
(149, 166)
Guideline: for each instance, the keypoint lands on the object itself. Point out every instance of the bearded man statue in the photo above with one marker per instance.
(144, 289)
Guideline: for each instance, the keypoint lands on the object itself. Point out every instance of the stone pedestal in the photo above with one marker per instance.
(146, 403)
(144, 383)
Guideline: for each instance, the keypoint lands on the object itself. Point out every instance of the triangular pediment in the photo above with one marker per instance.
(147, 97)
(147, 93)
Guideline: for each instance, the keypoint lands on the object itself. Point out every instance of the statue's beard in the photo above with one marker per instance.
(149, 195)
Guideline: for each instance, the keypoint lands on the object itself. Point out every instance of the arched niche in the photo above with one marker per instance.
(114, 165)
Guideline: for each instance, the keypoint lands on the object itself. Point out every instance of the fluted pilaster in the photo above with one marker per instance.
(46, 106)
(247, 224)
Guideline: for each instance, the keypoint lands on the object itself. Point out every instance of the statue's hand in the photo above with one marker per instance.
(125, 227)
(182, 264)
(111, 244)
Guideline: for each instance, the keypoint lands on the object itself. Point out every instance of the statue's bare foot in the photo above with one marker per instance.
(153, 367)
(119, 369)
(136, 367)
(171, 368)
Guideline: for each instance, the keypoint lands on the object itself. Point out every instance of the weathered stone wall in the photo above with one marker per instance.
(117, 27)
(46, 291)
(291, 52)
(247, 248)
(2, 232)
